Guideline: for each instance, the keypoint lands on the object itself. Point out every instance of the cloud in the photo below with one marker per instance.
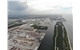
(67, 8)
(20, 7)
(16, 6)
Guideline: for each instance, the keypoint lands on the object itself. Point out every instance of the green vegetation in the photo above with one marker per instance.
(67, 46)
(13, 25)
(54, 38)
(59, 38)
(39, 27)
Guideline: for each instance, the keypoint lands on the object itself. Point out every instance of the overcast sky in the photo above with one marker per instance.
(16, 7)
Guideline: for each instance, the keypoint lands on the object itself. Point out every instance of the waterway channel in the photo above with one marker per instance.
(47, 43)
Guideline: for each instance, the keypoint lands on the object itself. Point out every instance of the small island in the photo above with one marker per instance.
(61, 39)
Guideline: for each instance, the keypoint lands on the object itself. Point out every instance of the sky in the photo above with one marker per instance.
(22, 7)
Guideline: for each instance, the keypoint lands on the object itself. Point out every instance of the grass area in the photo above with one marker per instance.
(14, 25)
(60, 38)
(54, 38)
(40, 27)
(67, 46)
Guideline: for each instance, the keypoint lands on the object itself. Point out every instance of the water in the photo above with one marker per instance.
(47, 43)
(69, 27)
